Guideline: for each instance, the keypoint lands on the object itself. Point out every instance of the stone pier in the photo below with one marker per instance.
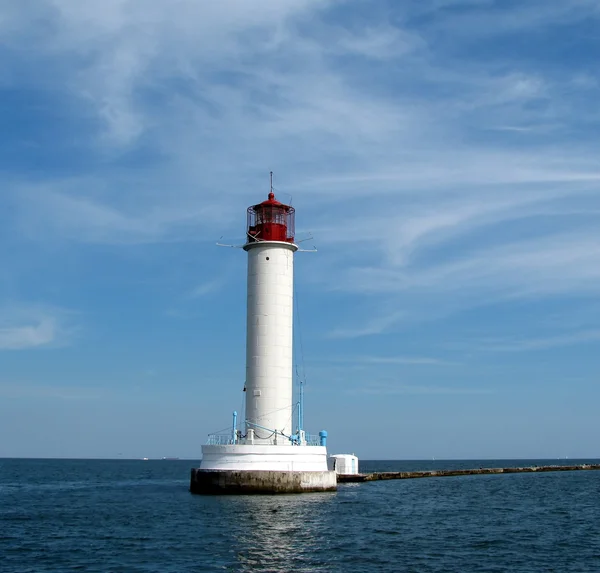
(378, 476)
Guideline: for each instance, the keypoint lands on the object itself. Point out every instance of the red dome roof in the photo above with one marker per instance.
(271, 201)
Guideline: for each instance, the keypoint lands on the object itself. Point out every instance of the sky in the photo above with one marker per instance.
(443, 157)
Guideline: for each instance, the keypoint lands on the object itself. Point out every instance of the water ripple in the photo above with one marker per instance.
(101, 516)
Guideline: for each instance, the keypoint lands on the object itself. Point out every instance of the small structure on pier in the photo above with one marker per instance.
(344, 464)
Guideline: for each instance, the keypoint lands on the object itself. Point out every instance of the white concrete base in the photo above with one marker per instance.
(247, 468)
(247, 457)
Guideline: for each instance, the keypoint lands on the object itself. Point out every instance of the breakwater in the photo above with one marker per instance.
(378, 476)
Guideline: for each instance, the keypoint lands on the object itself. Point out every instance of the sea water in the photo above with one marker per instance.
(138, 516)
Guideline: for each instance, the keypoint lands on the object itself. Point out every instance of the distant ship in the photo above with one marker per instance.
(170, 459)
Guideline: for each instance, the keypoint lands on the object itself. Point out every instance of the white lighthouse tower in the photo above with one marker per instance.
(267, 451)
(270, 248)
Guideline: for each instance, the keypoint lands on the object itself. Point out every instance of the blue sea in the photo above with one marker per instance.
(138, 516)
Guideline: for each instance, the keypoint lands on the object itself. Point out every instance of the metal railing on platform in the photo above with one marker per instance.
(219, 440)
(227, 440)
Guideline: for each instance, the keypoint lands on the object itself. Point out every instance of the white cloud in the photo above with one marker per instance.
(429, 288)
(397, 146)
(384, 42)
(543, 343)
(57, 210)
(490, 19)
(40, 333)
(399, 360)
(130, 46)
(36, 391)
(372, 327)
(391, 389)
(569, 263)
(207, 287)
(229, 95)
(24, 328)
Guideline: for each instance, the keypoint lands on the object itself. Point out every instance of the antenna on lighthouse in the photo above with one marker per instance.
(271, 188)
(233, 246)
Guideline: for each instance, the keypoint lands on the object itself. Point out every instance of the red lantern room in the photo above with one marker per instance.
(271, 221)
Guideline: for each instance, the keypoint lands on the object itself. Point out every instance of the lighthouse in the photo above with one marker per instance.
(269, 324)
(267, 449)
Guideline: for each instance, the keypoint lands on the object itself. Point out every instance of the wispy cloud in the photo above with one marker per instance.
(543, 343)
(537, 267)
(373, 326)
(41, 333)
(430, 154)
(408, 360)
(446, 164)
(390, 139)
(384, 42)
(36, 391)
(488, 18)
(206, 288)
(391, 360)
(416, 389)
(91, 219)
(210, 284)
(25, 328)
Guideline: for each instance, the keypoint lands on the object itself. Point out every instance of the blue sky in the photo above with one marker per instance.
(444, 155)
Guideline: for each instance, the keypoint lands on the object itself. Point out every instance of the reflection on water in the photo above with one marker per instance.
(272, 533)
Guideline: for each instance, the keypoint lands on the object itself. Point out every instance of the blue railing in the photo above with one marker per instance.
(227, 440)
